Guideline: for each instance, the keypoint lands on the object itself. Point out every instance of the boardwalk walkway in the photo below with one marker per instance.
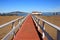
(27, 31)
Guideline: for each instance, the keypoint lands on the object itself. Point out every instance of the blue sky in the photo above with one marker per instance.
(30, 5)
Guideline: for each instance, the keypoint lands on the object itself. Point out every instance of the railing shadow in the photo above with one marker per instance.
(39, 34)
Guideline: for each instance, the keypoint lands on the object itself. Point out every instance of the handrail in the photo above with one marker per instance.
(55, 26)
(1, 26)
(12, 32)
(36, 20)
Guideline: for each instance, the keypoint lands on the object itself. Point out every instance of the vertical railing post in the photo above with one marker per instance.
(35, 18)
(43, 25)
(19, 21)
(58, 35)
(13, 26)
(43, 29)
(39, 21)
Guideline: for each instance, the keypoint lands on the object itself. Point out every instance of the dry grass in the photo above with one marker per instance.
(5, 19)
(54, 20)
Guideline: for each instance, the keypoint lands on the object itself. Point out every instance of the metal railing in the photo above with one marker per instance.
(37, 22)
(12, 31)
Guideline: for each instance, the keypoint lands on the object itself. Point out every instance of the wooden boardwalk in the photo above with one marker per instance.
(31, 29)
(27, 31)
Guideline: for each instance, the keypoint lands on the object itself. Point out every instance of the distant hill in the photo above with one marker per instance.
(17, 13)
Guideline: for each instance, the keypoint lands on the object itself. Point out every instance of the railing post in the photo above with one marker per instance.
(19, 21)
(58, 35)
(13, 26)
(43, 29)
(35, 18)
(39, 21)
(43, 25)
